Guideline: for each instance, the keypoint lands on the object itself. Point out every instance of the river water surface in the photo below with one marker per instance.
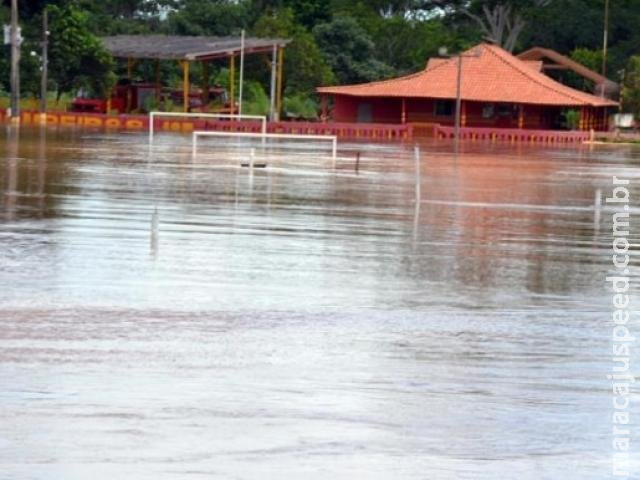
(170, 317)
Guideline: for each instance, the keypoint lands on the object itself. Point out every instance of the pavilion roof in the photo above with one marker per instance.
(172, 47)
(561, 62)
(489, 74)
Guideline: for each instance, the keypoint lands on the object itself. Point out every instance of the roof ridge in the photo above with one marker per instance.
(534, 76)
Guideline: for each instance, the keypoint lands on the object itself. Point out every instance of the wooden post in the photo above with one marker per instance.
(185, 85)
(205, 82)
(520, 116)
(583, 118)
(324, 114)
(463, 114)
(279, 83)
(403, 115)
(232, 84)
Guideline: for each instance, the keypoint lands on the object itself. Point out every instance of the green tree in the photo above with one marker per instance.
(631, 86)
(592, 59)
(306, 12)
(304, 67)
(406, 44)
(350, 51)
(211, 17)
(77, 57)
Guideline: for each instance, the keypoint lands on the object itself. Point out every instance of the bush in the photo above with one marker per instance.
(300, 106)
(255, 101)
(571, 119)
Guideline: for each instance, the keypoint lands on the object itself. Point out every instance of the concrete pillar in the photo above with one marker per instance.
(232, 84)
(185, 85)
(279, 82)
(272, 93)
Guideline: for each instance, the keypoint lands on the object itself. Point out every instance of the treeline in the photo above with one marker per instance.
(333, 41)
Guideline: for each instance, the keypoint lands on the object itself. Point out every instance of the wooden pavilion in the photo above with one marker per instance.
(552, 62)
(188, 49)
(497, 90)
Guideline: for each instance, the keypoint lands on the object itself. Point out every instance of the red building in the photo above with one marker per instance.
(498, 90)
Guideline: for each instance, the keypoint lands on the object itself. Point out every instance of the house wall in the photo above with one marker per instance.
(474, 114)
(383, 110)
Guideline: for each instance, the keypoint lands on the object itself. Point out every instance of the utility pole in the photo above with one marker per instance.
(15, 63)
(605, 40)
(45, 62)
(456, 127)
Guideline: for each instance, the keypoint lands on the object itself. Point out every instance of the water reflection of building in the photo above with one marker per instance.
(11, 187)
(25, 173)
(498, 223)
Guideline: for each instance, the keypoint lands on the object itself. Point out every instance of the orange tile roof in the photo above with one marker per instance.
(489, 74)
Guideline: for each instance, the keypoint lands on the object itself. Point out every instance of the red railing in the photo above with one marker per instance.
(355, 131)
(512, 134)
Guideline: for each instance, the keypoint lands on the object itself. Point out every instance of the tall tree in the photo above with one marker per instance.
(212, 17)
(503, 22)
(305, 67)
(350, 51)
(78, 58)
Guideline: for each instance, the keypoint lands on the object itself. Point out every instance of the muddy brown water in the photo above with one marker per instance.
(163, 316)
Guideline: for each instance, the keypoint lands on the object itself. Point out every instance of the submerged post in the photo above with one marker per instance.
(416, 155)
(334, 151)
(155, 228)
(597, 206)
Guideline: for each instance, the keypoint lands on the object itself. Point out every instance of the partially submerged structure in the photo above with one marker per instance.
(189, 49)
(497, 90)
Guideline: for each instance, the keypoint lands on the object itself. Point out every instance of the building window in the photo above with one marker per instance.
(488, 110)
(507, 110)
(443, 108)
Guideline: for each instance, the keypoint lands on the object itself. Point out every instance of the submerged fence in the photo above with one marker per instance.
(512, 135)
(379, 132)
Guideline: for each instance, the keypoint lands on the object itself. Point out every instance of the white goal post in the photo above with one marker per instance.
(230, 116)
(328, 138)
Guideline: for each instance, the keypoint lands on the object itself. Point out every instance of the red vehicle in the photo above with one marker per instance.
(127, 97)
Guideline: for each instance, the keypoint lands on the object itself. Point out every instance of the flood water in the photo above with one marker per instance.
(170, 317)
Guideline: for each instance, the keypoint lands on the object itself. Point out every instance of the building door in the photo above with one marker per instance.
(364, 113)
